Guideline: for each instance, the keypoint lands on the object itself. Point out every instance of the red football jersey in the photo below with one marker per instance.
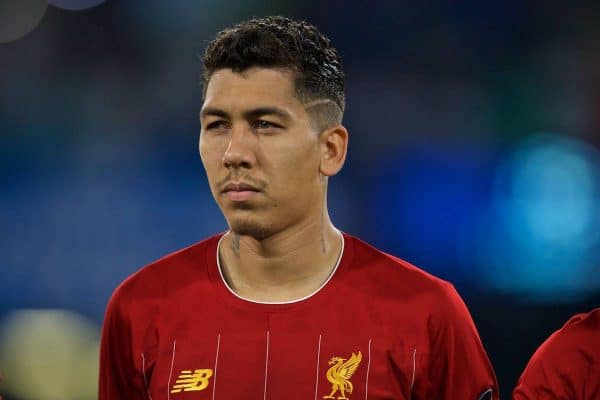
(567, 364)
(379, 328)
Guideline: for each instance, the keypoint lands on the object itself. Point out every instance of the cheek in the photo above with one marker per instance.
(299, 165)
(210, 162)
(210, 152)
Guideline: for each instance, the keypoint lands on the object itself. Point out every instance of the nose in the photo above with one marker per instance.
(240, 152)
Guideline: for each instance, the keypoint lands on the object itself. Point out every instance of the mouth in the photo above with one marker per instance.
(239, 191)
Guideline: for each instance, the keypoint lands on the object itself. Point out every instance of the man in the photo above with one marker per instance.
(284, 305)
(567, 364)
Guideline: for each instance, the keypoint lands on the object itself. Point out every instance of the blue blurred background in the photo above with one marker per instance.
(474, 154)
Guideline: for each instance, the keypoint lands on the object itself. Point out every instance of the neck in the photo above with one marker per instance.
(289, 265)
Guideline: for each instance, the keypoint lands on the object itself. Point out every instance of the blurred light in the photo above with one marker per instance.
(75, 4)
(167, 18)
(552, 193)
(423, 198)
(19, 17)
(543, 233)
(49, 354)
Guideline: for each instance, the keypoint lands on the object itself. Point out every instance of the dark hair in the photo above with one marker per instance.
(279, 42)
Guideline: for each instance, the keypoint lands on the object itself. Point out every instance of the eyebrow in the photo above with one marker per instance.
(210, 111)
(250, 114)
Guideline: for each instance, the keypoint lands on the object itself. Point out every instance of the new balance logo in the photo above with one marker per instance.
(189, 381)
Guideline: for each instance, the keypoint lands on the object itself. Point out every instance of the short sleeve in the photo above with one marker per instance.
(118, 378)
(459, 367)
(561, 366)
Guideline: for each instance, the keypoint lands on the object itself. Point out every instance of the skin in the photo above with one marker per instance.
(281, 245)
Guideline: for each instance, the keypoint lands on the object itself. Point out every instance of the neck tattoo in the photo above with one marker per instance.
(235, 244)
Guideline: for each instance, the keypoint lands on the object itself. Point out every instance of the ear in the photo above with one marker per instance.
(333, 145)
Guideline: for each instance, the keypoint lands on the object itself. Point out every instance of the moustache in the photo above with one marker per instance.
(257, 183)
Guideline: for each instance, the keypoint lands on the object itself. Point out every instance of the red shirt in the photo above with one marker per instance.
(567, 364)
(380, 328)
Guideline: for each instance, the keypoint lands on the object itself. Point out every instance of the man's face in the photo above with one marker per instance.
(259, 151)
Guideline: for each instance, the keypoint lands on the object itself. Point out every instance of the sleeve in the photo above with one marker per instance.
(459, 367)
(549, 375)
(118, 378)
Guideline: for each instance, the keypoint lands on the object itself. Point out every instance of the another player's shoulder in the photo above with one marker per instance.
(564, 361)
(397, 274)
(579, 330)
(579, 335)
(585, 322)
(167, 270)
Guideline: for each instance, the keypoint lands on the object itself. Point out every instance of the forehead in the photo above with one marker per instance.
(250, 88)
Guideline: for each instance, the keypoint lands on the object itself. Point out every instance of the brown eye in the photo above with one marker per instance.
(217, 125)
(263, 124)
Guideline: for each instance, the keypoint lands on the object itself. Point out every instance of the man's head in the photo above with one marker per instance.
(283, 43)
(271, 124)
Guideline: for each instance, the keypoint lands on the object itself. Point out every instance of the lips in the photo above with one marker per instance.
(238, 192)
(239, 187)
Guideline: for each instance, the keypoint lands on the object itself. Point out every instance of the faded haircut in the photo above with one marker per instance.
(279, 42)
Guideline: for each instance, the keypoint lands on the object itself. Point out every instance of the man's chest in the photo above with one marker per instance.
(279, 355)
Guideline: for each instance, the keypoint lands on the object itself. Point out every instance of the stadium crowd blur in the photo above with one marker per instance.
(474, 154)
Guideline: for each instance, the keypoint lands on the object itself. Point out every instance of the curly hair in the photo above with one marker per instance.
(279, 42)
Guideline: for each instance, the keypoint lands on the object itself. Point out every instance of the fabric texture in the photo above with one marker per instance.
(380, 328)
(567, 365)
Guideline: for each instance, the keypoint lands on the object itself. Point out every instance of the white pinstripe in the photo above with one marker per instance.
(216, 363)
(368, 369)
(144, 375)
(318, 359)
(171, 372)
(412, 382)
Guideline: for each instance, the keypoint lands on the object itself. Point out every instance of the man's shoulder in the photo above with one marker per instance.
(396, 273)
(167, 270)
